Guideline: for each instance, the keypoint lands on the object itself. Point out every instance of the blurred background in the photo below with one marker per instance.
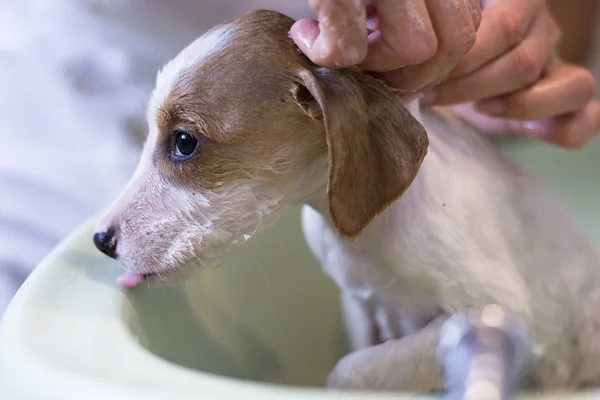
(75, 76)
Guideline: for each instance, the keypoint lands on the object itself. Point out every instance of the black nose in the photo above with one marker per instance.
(106, 242)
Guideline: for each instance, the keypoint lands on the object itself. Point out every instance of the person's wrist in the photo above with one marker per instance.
(576, 19)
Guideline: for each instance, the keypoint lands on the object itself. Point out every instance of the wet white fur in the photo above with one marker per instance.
(192, 56)
(472, 229)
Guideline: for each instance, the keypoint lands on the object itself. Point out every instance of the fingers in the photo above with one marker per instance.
(430, 36)
(504, 24)
(492, 125)
(572, 131)
(565, 88)
(339, 39)
(575, 130)
(454, 25)
(516, 70)
(404, 35)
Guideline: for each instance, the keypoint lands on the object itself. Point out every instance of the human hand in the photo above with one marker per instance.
(558, 109)
(517, 81)
(411, 44)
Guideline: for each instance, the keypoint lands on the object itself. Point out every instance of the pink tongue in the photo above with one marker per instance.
(130, 279)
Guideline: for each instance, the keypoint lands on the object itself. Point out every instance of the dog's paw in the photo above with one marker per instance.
(349, 373)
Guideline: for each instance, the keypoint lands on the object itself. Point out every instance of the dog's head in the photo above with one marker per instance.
(242, 126)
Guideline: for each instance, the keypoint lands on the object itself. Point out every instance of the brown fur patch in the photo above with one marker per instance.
(248, 106)
(238, 104)
(375, 146)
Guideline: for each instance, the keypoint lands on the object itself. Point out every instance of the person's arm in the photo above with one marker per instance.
(576, 19)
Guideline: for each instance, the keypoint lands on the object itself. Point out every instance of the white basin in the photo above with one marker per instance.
(265, 325)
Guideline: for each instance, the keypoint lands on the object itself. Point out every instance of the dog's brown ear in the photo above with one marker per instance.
(375, 145)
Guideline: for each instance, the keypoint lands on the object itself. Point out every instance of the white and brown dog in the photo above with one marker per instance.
(242, 126)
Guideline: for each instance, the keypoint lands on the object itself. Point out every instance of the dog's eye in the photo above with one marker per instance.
(185, 145)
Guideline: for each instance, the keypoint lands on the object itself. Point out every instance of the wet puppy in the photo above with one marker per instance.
(414, 215)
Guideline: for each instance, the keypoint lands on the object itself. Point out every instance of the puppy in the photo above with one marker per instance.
(414, 215)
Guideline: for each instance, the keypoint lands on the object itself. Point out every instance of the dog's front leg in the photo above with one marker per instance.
(359, 321)
(407, 364)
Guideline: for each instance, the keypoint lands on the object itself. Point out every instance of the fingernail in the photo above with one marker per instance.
(538, 128)
(428, 98)
(492, 107)
(306, 40)
(372, 24)
(306, 32)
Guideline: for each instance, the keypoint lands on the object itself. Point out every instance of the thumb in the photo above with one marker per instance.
(333, 47)
(304, 33)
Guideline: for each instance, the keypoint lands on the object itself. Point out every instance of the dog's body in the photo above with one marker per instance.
(473, 229)
(242, 126)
